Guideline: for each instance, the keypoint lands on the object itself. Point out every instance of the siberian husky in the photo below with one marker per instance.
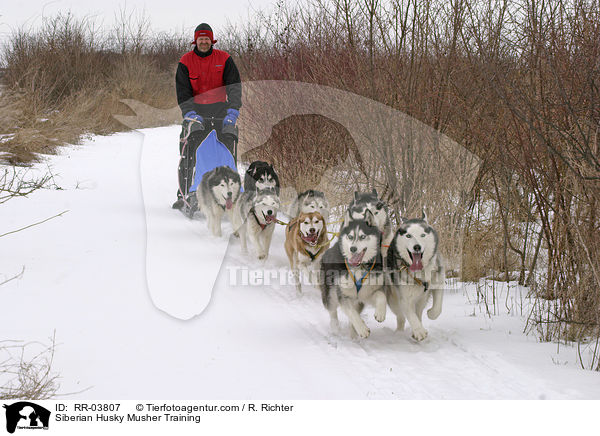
(310, 201)
(415, 271)
(218, 192)
(352, 275)
(261, 175)
(305, 242)
(254, 217)
(370, 201)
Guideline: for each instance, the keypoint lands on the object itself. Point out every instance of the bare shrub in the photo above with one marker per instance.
(303, 149)
(515, 83)
(26, 370)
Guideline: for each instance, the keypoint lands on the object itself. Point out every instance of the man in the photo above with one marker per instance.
(208, 86)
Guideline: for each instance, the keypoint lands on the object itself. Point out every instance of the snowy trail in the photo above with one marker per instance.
(392, 365)
(88, 274)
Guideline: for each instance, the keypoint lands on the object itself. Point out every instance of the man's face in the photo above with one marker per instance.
(203, 43)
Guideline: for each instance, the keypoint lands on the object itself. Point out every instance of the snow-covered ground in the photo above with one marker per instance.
(96, 274)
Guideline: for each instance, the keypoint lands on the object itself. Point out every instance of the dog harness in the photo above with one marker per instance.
(359, 283)
(313, 256)
(417, 281)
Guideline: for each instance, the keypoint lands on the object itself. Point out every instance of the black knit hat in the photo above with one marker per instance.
(203, 29)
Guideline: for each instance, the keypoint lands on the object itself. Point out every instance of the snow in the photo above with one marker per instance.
(101, 277)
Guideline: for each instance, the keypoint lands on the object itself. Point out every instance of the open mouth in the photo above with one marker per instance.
(357, 258)
(417, 263)
(228, 203)
(269, 218)
(310, 239)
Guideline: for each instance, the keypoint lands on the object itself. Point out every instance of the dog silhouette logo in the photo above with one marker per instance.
(26, 415)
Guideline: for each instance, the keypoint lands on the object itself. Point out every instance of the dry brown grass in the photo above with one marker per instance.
(65, 81)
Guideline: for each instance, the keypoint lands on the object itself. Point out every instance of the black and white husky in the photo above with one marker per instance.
(308, 202)
(352, 275)
(254, 217)
(261, 175)
(370, 201)
(415, 271)
(217, 193)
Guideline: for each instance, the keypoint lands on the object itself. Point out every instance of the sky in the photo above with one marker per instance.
(164, 16)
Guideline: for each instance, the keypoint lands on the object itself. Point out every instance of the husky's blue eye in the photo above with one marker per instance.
(362, 237)
(423, 235)
(408, 235)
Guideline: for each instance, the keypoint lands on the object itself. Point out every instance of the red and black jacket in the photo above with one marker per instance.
(208, 83)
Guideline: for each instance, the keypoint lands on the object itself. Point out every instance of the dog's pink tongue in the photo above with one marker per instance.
(311, 238)
(356, 258)
(228, 203)
(417, 265)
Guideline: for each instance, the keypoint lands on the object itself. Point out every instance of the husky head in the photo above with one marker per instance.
(360, 240)
(260, 175)
(265, 205)
(368, 201)
(313, 201)
(224, 183)
(311, 227)
(415, 242)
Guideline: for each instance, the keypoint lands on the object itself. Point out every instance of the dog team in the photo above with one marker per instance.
(368, 264)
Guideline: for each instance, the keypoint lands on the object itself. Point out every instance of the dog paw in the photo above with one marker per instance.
(419, 334)
(380, 315)
(433, 313)
(236, 234)
(262, 257)
(363, 331)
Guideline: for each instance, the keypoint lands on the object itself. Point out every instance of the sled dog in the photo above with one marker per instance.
(218, 192)
(261, 175)
(254, 217)
(310, 201)
(415, 271)
(352, 275)
(305, 242)
(369, 201)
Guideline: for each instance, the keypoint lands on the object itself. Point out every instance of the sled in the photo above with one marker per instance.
(210, 154)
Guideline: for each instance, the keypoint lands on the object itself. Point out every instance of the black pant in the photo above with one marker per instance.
(188, 147)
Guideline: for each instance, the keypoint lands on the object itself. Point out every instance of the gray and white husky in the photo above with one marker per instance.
(217, 193)
(415, 271)
(352, 275)
(310, 201)
(370, 201)
(254, 217)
